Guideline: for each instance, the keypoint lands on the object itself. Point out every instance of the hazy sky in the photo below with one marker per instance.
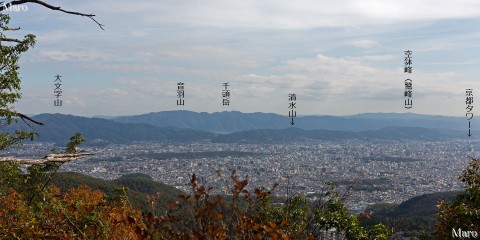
(340, 57)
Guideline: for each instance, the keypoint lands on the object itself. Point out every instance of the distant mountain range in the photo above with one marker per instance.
(227, 122)
(297, 134)
(59, 128)
(190, 126)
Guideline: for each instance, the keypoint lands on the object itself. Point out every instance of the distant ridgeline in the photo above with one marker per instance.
(227, 122)
(236, 127)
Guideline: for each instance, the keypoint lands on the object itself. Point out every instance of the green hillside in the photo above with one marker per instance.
(411, 216)
(140, 187)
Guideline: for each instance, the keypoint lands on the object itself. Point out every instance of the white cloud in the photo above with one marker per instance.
(85, 55)
(53, 36)
(261, 47)
(364, 43)
(351, 78)
(379, 57)
(139, 33)
(75, 102)
(285, 14)
(161, 88)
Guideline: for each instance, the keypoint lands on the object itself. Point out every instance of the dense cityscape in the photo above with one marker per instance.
(374, 171)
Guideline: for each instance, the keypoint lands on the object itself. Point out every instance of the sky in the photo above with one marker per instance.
(339, 57)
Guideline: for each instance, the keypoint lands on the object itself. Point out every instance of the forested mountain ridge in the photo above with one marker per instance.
(58, 128)
(234, 121)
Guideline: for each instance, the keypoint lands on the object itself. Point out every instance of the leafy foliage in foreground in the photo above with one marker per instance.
(464, 211)
(79, 213)
(138, 188)
(84, 213)
(10, 82)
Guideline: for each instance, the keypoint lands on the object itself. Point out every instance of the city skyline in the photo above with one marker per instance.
(339, 58)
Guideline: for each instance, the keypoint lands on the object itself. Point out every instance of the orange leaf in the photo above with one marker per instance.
(172, 206)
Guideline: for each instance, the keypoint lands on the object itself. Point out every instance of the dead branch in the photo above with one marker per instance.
(10, 40)
(18, 2)
(5, 28)
(54, 158)
(23, 117)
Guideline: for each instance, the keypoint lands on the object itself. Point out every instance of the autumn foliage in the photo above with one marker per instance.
(252, 215)
(84, 213)
(81, 213)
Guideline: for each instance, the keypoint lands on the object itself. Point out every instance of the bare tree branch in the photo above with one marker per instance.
(56, 158)
(9, 29)
(10, 40)
(23, 117)
(4, 6)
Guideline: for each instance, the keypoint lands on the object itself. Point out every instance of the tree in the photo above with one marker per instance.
(463, 212)
(41, 170)
(79, 213)
(76, 140)
(10, 81)
(12, 180)
(10, 51)
(251, 214)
